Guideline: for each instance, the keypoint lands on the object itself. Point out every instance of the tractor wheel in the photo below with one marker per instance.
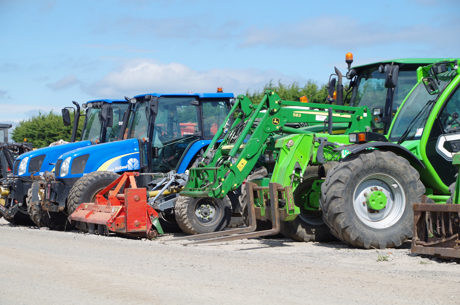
(87, 187)
(202, 215)
(53, 220)
(367, 199)
(309, 224)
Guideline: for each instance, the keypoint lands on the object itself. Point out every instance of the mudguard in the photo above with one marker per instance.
(388, 146)
(191, 153)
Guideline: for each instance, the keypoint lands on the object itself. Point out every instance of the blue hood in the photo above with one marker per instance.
(51, 155)
(117, 156)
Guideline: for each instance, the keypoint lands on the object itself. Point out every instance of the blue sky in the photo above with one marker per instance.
(53, 52)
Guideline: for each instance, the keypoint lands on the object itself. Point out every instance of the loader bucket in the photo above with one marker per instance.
(125, 213)
(436, 229)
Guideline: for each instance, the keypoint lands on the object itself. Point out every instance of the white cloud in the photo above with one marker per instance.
(146, 76)
(18, 112)
(63, 83)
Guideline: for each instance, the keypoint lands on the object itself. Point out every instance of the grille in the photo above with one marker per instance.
(35, 164)
(58, 168)
(78, 165)
(15, 167)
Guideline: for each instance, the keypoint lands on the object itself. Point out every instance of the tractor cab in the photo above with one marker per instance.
(4, 132)
(428, 124)
(381, 86)
(103, 119)
(178, 127)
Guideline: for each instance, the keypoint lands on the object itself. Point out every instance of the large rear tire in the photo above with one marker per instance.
(87, 187)
(308, 225)
(345, 203)
(202, 215)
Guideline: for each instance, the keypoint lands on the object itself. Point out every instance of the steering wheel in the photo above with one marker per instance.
(162, 133)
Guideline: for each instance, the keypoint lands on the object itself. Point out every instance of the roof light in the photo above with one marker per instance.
(304, 99)
(349, 59)
(220, 90)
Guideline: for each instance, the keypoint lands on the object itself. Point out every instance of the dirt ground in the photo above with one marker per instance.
(47, 267)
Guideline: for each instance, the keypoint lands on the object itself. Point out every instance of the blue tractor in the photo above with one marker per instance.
(166, 134)
(101, 125)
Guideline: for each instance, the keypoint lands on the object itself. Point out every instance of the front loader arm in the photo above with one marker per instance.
(251, 134)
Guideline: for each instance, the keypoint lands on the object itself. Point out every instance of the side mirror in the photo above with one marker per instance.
(430, 85)
(66, 117)
(331, 88)
(391, 78)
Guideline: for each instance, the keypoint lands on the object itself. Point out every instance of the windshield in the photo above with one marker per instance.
(412, 118)
(93, 125)
(119, 110)
(214, 114)
(176, 126)
(371, 91)
(92, 129)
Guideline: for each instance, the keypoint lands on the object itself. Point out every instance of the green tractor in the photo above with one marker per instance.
(360, 185)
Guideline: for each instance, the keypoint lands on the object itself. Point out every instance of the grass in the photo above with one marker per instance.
(382, 258)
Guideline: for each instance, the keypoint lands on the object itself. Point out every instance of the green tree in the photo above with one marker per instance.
(44, 129)
(293, 92)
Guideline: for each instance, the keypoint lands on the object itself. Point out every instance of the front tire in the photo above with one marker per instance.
(202, 215)
(352, 216)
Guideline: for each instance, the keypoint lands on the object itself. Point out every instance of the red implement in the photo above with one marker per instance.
(122, 210)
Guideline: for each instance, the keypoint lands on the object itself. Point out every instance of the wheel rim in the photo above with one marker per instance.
(206, 211)
(395, 204)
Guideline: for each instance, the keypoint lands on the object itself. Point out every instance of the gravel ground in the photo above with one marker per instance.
(47, 267)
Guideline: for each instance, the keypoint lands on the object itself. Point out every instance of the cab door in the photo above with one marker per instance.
(444, 138)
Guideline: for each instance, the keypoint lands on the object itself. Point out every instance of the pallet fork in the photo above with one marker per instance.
(436, 229)
(124, 211)
(276, 192)
(436, 226)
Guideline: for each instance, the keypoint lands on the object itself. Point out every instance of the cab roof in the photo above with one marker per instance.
(199, 95)
(109, 101)
(407, 61)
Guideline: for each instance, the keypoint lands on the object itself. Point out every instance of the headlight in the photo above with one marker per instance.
(65, 167)
(23, 166)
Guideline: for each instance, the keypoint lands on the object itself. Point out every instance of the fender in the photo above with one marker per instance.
(190, 154)
(386, 146)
